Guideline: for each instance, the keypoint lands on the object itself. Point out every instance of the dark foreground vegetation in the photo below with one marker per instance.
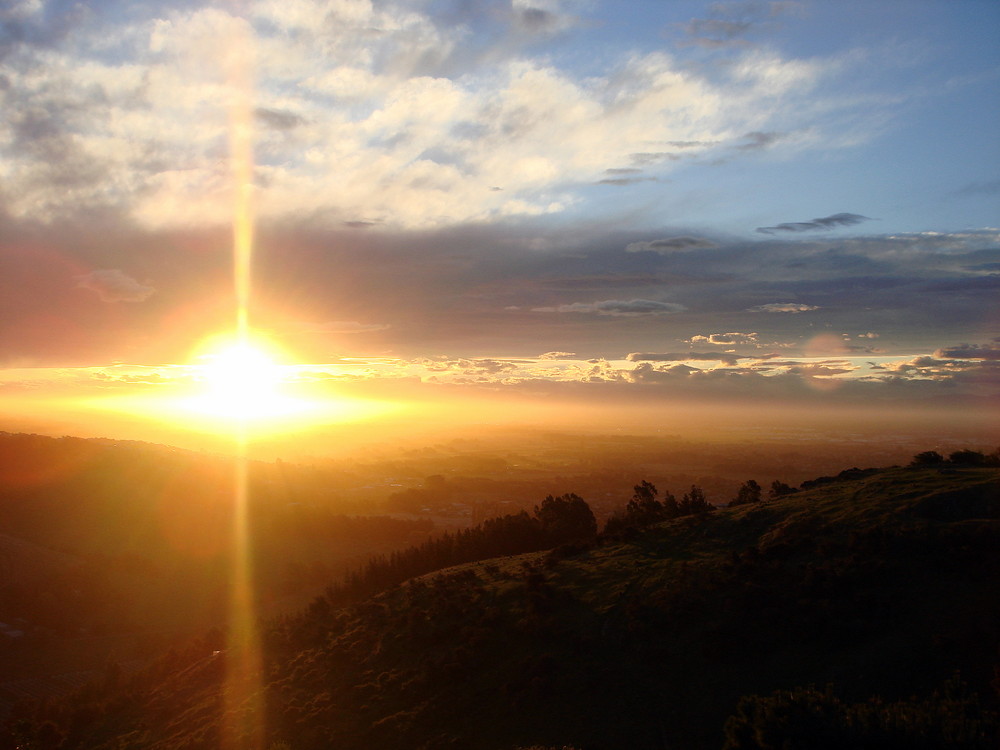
(858, 610)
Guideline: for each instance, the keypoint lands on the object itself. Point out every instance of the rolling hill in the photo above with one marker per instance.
(876, 586)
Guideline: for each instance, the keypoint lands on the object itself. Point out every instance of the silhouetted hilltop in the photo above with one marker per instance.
(877, 583)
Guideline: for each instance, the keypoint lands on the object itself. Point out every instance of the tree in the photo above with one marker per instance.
(927, 458)
(694, 502)
(748, 493)
(671, 508)
(566, 518)
(967, 458)
(780, 489)
(644, 509)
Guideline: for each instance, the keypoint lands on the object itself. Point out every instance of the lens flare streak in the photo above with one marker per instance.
(243, 720)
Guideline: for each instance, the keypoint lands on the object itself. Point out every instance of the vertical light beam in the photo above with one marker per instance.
(243, 719)
(241, 145)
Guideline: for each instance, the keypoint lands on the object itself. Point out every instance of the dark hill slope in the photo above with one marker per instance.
(885, 583)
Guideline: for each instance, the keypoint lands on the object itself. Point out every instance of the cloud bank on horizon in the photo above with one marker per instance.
(480, 181)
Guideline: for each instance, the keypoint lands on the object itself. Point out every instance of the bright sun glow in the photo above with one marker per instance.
(243, 381)
(247, 388)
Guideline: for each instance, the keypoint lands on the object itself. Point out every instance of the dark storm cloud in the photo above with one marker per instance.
(725, 357)
(824, 223)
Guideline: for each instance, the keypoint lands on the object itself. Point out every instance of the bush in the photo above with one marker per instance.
(807, 719)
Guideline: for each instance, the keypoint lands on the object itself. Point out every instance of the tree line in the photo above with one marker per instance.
(568, 519)
(558, 520)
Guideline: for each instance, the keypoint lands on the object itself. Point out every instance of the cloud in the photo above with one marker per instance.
(757, 141)
(726, 339)
(783, 307)
(824, 223)
(113, 285)
(727, 358)
(537, 20)
(277, 119)
(989, 352)
(625, 176)
(983, 187)
(348, 326)
(623, 181)
(652, 157)
(385, 111)
(728, 23)
(670, 245)
(820, 369)
(646, 373)
(479, 370)
(622, 308)
(557, 355)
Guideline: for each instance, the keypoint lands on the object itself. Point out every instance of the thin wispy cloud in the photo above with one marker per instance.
(670, 245)
(114, 285)
(825, 223)
(726, 339)
(725, 357)
(783, 307)
(624, 308)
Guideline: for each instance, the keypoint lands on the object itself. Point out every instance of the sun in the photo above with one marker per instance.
(243, 387)
(242, 380)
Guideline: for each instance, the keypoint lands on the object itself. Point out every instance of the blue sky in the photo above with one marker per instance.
(470, 191)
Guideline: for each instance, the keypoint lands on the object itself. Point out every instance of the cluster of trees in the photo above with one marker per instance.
(964, 457)
(751, 492)
(558, 520)
(645, 508)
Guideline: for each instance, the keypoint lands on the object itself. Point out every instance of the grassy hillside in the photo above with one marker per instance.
(879, 583)
(111, 549)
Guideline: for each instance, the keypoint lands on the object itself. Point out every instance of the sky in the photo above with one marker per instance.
(794, 202)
